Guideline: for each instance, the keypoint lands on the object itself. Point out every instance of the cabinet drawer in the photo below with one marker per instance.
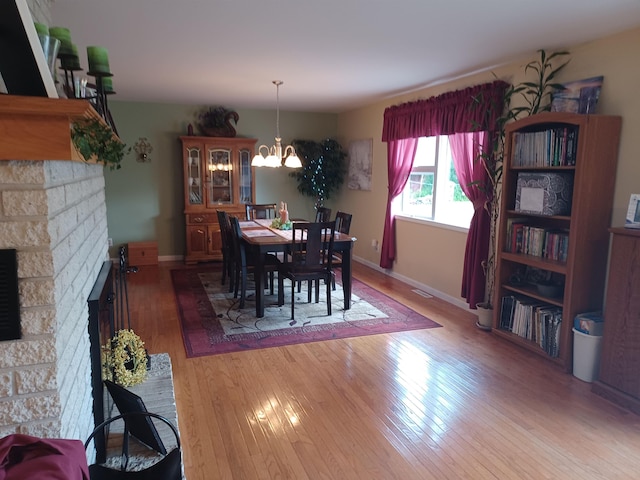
(201, 218)
(142, 253)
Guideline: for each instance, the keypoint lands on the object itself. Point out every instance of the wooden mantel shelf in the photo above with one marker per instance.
(39, 128)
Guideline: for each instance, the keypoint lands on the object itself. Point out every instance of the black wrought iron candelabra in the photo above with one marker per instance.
(95, 93)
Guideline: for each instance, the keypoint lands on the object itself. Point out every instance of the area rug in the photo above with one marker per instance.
(212, 323)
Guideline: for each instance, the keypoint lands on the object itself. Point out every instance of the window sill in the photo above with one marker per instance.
(432, 223)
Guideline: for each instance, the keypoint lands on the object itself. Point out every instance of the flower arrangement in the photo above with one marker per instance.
(280, 225)
(124, 359)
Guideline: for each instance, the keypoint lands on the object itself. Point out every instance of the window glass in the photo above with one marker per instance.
(433, 191)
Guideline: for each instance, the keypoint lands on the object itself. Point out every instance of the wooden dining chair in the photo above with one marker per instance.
(311, 259)
(245, 262)
(257, 211)
(323, 214)
(343, 225)
(228, 267)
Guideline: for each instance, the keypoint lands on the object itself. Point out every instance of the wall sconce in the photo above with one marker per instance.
(143, 148)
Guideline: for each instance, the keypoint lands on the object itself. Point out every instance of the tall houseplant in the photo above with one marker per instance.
(323, 168)
(521, 100)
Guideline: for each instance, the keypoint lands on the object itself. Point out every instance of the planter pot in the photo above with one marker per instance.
(485, 316)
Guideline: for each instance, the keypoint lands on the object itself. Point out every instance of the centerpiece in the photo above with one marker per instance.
(282, 222)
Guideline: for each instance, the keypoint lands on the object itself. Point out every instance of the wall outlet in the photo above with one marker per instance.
(374, 244)
(110, 241)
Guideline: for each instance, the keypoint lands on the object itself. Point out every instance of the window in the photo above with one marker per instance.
(433, 191)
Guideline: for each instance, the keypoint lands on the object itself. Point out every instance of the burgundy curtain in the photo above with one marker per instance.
(400, 155)
(466, 149)
(474, 109)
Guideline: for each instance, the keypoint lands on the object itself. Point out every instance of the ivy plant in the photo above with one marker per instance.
(94, 138)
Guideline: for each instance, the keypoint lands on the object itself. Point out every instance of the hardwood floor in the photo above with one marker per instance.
(444, 403)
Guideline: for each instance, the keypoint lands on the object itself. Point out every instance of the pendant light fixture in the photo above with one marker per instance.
(275, 154)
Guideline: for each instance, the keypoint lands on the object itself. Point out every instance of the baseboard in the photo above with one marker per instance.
(432, 291)
(170, 258)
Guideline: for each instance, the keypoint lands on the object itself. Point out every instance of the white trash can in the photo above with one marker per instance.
(586, 355)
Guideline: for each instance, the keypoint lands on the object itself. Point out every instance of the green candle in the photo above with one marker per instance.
(41, 28)
(71, 61)
(62, 34)
(98, 59)
(107, 85)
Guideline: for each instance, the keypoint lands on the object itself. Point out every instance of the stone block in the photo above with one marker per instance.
(34, 293)
(17, 353)
(19, 203)
(36, 379)
(43, 429)
(18, 172)
(6, 384)
(38, 321)
(24, 234)
(35, 264)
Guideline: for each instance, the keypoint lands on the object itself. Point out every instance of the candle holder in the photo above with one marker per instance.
(104, 88)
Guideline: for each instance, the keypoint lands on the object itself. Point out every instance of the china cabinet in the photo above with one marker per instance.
(217, 176)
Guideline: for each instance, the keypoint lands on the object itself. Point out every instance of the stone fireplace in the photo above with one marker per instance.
(53, 213)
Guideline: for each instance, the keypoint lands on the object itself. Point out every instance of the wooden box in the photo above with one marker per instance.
(142, 253)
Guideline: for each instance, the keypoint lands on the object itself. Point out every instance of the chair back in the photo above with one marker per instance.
(343, 222)
(169, 467)
(312, 246)
(256, 211)
(323, 214)
(239, 252)
(225, 230)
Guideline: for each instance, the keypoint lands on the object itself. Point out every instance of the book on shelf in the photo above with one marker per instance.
(554, 147)
(532, 320)
(540, 242)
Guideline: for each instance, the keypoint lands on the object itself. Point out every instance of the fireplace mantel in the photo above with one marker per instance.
(39, 128)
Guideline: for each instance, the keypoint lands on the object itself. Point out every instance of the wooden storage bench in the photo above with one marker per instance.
(142, 253)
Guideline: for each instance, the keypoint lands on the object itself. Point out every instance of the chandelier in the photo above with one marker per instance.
(275, 154)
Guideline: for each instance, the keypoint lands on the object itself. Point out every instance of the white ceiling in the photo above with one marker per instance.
(332, 55)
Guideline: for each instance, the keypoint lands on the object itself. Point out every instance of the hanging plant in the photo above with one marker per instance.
(93, 138)
(323, 168)
(124, 359)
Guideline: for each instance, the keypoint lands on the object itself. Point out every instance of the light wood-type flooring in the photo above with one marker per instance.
(444, 403)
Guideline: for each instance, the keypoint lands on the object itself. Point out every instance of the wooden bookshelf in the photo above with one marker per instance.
(592, 170)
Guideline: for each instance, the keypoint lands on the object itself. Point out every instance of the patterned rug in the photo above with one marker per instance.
(212, 323)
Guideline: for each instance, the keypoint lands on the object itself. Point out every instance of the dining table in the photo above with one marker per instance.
(260, 237)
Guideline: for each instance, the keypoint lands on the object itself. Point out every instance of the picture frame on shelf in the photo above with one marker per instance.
(580, 96)
(633, 212)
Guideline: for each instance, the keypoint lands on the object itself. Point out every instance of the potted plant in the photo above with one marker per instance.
(536, 96)
(323, 168)
(216, 122)
(93, 138)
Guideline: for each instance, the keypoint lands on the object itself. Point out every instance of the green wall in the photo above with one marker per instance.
(145, 200)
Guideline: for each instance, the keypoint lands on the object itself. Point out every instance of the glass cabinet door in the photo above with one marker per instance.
(220, 169)
(245, 176)
(194, 176)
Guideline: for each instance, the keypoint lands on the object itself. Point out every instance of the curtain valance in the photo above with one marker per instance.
(471, 109)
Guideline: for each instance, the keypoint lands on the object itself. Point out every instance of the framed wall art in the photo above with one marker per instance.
(360, 164)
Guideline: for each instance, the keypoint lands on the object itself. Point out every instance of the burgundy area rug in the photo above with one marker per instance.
(212, 323)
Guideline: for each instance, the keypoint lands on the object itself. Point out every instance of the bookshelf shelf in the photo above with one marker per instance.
(554, 158)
